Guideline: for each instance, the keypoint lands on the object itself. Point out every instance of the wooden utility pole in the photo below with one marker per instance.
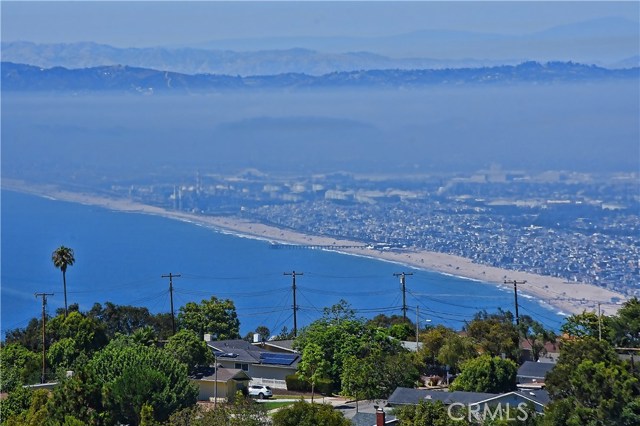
(402, 276)
(599, 322)
(295, 306)
(173, 317)
(44, 341)
(515, 295)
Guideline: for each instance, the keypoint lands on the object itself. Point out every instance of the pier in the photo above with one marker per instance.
(316, 246)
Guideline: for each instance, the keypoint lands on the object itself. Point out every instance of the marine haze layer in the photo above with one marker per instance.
(120, 257)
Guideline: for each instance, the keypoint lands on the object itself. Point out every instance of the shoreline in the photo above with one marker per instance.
(566, 298)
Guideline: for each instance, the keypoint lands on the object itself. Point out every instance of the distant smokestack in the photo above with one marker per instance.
(380, 417)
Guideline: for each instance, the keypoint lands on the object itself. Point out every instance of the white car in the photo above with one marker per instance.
(260, 391)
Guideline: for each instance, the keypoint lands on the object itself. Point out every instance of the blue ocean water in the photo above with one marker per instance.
(120, 257)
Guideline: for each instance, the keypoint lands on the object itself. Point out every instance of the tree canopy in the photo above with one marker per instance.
(591, 386)
(486, 374)
(305, 414)
(214, 316)
(340, 335)
(120, 379)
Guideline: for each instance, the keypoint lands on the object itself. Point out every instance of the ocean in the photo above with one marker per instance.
(121, 257)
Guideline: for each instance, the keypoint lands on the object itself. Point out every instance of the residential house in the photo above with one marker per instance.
(476, 401)
(264, 367)
(224, 384)
(531, 374)
(551, 351)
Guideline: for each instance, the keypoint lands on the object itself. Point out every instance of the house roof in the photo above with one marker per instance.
(534, 370)
(242, 351)
(407, 396)
(539, 396)
(224, 374)
(283, 345)
(369, 419)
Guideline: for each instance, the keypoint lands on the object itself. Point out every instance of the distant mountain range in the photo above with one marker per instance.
(606, 42)
(21, 77)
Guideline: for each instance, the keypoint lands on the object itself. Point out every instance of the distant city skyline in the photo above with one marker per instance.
(168, 23)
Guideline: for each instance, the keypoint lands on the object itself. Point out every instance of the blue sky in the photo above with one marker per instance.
(154, 23)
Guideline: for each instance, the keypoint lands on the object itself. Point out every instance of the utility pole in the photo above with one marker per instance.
(295, 306)
(417, 326)
(599, 322)
(173, 317)
(44, 319)
(515, 294)
(402, 276)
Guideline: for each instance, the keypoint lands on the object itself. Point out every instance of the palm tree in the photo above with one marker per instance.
(63, 257)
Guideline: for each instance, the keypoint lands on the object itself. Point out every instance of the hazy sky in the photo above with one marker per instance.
(153, 23)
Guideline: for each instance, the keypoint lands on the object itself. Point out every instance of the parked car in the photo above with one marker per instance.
(260, 391)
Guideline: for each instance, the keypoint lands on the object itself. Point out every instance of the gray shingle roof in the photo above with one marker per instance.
(534, 370)
(242, 351)
(407, 396)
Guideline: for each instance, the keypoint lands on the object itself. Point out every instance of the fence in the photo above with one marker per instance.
(276, 384)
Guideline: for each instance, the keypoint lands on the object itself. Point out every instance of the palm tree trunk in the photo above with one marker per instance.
(64, 283)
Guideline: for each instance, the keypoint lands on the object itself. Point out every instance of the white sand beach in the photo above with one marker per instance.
(568, 298)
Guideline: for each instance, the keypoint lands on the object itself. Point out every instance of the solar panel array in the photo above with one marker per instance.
(272, 358)
(221, 354)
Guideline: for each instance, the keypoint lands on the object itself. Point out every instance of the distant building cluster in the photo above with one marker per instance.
(578, 227)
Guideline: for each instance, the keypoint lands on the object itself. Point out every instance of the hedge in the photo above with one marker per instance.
(296, 383)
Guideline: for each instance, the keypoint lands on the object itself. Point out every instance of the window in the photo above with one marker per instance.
(243, 367)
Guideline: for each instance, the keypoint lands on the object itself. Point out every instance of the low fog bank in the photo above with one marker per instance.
(591, 127)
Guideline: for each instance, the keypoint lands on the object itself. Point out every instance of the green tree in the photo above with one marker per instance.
(486, 374)
(590, 386)
(145, 336)
(211, 316)
(126, 319)
(242, 412)
(456, 350)
(19, 366)
(30, 337)
(377, 375)
(495, 334)
(74, 336)
(305, 414)
(187, 348)
(62, 258)
(313, 365)
(341, 335)
(120, 379)
(625, 326)
(432, 341)
(536, 335)
(36, 415)
(17, 401)
(586, 324)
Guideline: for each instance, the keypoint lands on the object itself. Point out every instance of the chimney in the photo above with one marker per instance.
(207, 337)
(257, 338)
(380, 417)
